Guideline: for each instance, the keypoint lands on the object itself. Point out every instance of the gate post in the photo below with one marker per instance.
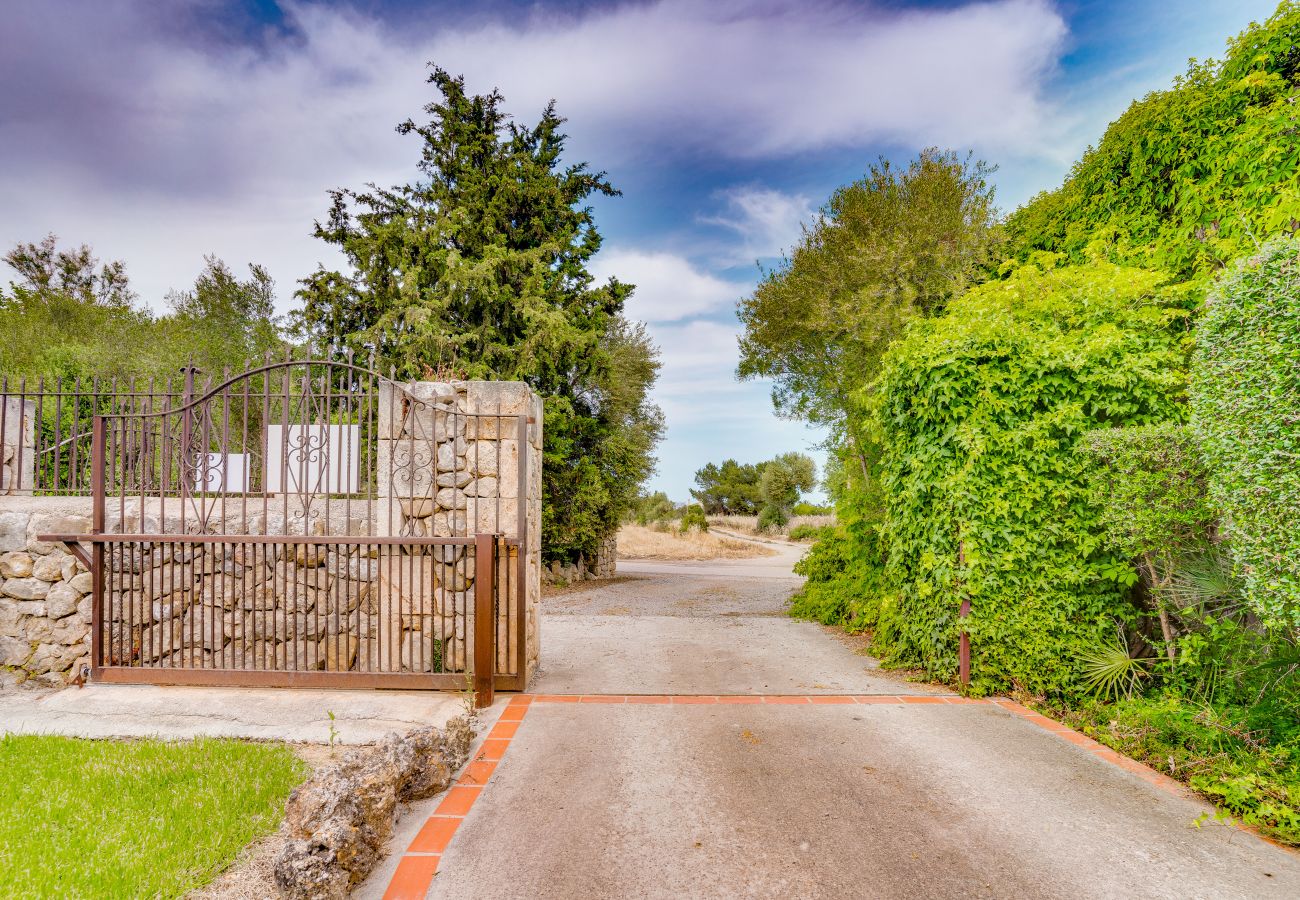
(97, 466)
(485, 568)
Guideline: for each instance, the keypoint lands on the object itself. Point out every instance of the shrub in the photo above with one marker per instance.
(693, 518)
(772, 517)
(845, 578)
(808, 532)
(980, 413)
(1252, 774)
(1246, 406)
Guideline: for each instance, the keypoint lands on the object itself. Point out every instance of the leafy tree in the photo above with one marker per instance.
(784, 481)
(66, 315)
(648, 509)
(729, 489)
(223, 323)
(90, 324)
(1190, 178)
(480, 266)
(887, 249)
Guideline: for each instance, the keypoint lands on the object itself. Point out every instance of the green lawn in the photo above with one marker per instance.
(100, 819)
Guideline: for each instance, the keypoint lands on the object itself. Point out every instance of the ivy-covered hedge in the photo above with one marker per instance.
(1187, 178)
(980, 412)
(1246, 406)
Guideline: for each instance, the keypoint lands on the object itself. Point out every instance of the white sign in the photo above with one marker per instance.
(225, 472)
(313, 459)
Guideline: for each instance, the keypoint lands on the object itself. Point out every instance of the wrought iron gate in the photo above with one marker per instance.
(309, 523)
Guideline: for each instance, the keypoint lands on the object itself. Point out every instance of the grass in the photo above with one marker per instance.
(1250, 775)
(749, 525)
(635, 542)
(105, 819)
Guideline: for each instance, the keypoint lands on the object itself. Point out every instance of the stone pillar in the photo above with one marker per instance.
(17, 446)
(451, 463)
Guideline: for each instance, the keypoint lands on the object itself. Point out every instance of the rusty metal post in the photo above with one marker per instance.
(963, 641)
(484, 619)
(963, 647)
(97, 466)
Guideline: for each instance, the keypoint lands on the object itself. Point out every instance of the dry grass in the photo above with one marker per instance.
(749, 524)
(635, 542)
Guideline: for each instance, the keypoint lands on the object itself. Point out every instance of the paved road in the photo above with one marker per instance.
(729, 800)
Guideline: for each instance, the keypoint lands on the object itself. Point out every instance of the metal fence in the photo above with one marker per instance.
(45, 426)
(300, 522)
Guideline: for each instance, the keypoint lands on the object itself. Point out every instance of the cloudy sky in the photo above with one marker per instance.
(160, 131)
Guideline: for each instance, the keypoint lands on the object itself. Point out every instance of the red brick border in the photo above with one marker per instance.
(419, 864)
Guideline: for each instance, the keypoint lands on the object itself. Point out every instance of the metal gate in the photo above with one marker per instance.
(308, 523)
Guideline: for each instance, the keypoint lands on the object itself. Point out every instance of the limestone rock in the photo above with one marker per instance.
(16, 564)
(13, 652)
(48, 568)
(26, 588)
(340, 818)
(61, 601)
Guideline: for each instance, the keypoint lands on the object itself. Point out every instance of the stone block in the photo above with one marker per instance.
(61, 600)
(49, 568)
(13, 650)
(49, 523)
(25, 588)
(16, 564)
(13, 530)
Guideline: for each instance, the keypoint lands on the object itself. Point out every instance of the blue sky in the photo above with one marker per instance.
(158, 132)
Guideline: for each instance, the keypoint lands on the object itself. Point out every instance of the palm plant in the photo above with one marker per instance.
(1112, 670)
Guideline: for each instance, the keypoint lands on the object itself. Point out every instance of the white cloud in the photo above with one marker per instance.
(767, 222)
(668, 287)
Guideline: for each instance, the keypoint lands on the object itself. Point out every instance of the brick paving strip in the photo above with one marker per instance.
(419, 863)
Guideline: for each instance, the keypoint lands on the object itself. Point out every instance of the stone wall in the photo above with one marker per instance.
(443, 472)
(605, 565)
(44, 597)
(452, 452)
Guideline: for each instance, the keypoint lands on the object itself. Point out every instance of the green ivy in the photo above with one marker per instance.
(980, 412)
(1246, 406)
(1188, 178)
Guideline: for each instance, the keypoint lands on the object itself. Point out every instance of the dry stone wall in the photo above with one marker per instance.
(44, 599)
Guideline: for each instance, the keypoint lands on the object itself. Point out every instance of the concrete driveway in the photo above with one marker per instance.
(750, 792)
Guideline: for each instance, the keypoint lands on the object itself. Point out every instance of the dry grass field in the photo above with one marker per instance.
(635, 542)
(749, 524)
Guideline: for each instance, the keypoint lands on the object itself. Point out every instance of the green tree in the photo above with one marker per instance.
(889, 248)
(729, 489)
(785, 479)
(67, 315)
(222, 323)
(480, 267)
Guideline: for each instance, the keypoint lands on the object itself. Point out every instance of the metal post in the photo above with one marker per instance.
(963, 641)
(963, 647)
(484, 620)
(97, 464)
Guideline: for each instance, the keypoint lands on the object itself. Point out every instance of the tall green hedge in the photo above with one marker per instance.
(980, 412)
(1246, 406)
(1187, 178)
